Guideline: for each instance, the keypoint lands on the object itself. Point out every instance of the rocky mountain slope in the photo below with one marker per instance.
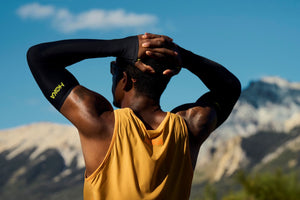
(44, 160)
(41, 161)
(268, 105)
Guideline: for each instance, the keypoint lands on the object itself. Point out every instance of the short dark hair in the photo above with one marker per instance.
(148, 84)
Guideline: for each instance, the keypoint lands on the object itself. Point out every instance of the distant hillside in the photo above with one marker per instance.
(41, 161)
(268, 105)
(259, 153)
(44, 160)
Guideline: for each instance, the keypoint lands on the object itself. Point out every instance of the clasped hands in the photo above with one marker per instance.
(158, 47)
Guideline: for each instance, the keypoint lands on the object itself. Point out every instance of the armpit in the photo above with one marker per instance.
(201, 121)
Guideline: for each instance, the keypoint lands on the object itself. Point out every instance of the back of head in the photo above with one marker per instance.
(150, 85)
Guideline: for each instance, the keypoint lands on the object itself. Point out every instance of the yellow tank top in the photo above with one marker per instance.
(143, 164)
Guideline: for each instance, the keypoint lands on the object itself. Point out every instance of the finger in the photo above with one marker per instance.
(158, 42)
(171, 72)
(155, 54)
(168, 72)
(144, 68)
(153, 42)
(152, 36)
(162, 51)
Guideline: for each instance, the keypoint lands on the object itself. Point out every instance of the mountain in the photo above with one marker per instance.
(271, 104)
(44, 160)
(268, 104)
(41, 161)
(261, 135)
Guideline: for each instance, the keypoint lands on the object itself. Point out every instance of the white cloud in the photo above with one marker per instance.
(95, 19)
(35, 11)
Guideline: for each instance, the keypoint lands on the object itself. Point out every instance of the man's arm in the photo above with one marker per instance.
(90, 112)
(224, 87)
(48, 62)
(212, 108)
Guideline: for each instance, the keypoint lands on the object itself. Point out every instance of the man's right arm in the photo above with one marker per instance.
(48, 63)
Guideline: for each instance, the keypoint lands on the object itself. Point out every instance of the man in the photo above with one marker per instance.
(138, 151)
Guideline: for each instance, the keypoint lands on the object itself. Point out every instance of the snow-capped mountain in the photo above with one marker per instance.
(270, 104)
(41, 137)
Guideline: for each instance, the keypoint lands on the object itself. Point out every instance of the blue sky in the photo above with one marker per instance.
(252, 39)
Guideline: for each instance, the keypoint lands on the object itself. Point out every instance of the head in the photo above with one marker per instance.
(145, 84)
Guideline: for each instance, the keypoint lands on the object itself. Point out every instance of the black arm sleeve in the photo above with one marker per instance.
(48, 62)
(224, 87)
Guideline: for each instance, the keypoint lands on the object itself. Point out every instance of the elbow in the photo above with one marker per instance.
(33, 55)
(237, 88)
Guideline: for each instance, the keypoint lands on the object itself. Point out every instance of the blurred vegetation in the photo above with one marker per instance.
(259, 186)
(265, 186)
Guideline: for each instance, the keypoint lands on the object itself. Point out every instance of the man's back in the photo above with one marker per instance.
(144, 164)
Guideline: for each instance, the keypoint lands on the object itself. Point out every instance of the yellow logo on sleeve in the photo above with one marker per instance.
(57, 90)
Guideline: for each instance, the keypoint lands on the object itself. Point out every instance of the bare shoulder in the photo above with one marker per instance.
(89, 111)
(200, 120)
(93, 116)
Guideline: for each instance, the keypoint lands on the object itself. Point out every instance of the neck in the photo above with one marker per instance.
(147, 109)
(141, 104)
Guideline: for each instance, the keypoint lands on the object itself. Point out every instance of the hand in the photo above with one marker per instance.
(159, 47)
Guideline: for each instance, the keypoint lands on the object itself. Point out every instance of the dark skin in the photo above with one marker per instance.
(93, 115)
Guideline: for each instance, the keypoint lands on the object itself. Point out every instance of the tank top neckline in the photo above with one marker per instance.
(155, 132)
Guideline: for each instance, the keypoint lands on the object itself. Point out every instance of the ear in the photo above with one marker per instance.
(128, 83)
